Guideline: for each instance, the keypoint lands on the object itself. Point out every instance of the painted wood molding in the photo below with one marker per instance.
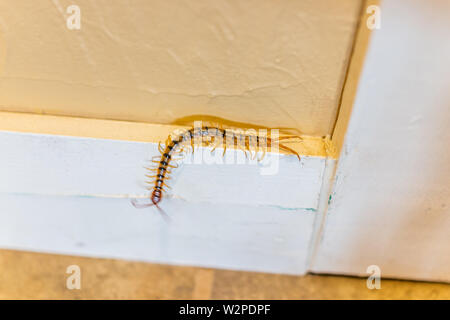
(69, 186)
(390, 202)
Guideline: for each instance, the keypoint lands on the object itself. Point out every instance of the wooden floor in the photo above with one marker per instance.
(25, 275)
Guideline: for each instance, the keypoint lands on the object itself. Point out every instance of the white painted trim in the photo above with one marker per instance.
(238, 237)
(57, 165)
(390, 203)
(70, 195)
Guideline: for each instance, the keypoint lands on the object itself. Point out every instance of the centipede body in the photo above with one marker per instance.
(174, 145)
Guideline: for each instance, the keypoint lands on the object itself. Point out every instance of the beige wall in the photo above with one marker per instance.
(271, 63)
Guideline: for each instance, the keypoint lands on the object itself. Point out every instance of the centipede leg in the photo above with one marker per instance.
(160, 148)
(287, 149)
(179, 150)
(256, 153)
(251, 146)
(245, 153)
(214, 148)
(168, 171)
(255, 150)
(264, 150)
(289, 137)
(243, 147)
(192, 145)
(218, 141)
(215, 143)
(163, 188)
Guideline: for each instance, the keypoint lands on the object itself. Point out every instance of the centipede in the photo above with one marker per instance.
(181, 143)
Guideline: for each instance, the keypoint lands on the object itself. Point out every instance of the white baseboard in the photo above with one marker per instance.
(71, 195)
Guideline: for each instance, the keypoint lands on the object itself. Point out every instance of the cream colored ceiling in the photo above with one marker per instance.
(265, 62)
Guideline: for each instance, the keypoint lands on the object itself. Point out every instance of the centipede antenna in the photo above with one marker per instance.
(140, 205)
(164, 214)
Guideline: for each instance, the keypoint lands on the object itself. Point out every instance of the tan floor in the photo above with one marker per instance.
(25, 275)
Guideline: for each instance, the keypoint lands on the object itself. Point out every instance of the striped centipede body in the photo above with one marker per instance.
(250, 143)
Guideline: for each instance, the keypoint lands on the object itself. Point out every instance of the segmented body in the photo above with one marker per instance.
(248, 142)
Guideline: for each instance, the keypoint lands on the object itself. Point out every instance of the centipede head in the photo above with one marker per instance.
(156, 196)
